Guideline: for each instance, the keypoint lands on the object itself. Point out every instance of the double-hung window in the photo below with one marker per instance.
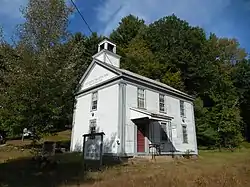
(184, 134)
(94, 101)
(141, 98)
(162, 107)
(182, 108)
(92, 126)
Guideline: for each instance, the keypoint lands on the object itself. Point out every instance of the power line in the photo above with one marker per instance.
(81, 16)
(88, 27)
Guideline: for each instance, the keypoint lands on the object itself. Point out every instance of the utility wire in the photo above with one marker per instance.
(88, 26)
(81, 16)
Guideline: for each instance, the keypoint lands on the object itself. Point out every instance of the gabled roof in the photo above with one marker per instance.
(129, 74)
(96, 61)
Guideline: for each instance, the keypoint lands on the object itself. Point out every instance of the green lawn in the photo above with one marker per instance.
(17, 148)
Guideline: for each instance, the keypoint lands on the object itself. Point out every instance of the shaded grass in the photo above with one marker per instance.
(25, 172)
(9, 152)
(211, 169)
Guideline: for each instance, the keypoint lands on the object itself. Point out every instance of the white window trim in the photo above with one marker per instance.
(90, 124)
(184, 110)
(144, 94)
(184, 125)
(91, 107)
(165, 103)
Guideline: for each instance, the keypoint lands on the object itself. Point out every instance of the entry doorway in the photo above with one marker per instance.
(141, 138)
(142, 133)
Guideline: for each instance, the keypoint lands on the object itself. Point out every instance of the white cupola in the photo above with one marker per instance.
(107, 53)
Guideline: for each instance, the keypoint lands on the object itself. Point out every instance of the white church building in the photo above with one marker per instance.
(133, 111)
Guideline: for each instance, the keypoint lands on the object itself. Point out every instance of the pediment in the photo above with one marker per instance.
(96, 74)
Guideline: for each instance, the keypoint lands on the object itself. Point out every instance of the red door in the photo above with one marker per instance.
(140, 138)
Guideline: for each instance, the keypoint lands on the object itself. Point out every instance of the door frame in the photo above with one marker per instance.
(146, 134)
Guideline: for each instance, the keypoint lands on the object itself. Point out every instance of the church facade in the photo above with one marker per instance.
(133, 111)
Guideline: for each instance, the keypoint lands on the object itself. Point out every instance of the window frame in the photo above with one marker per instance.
(110, 47)
(182, 110)
(184, 135)
(164, 103)
(140, 99)
(102, 46)
(92, 124)
(94, 100)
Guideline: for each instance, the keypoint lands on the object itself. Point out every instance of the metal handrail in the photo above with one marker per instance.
(157, 147)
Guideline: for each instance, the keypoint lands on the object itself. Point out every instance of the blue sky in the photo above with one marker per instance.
(226, 18)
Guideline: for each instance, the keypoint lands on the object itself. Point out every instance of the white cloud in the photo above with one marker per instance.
(196, 12)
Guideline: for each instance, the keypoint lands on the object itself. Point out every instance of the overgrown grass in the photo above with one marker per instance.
(26, 172)
(212, 168)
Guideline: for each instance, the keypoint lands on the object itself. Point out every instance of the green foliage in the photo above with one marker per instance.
(207, 134)
(245, 145)
(45, 23)
(173, 79)
(241, 79)
(175, 53)
(38, 76)
(128, 29)
(40, 83)
(180, 47)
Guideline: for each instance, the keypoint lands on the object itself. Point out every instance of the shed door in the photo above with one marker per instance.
(141, 138)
